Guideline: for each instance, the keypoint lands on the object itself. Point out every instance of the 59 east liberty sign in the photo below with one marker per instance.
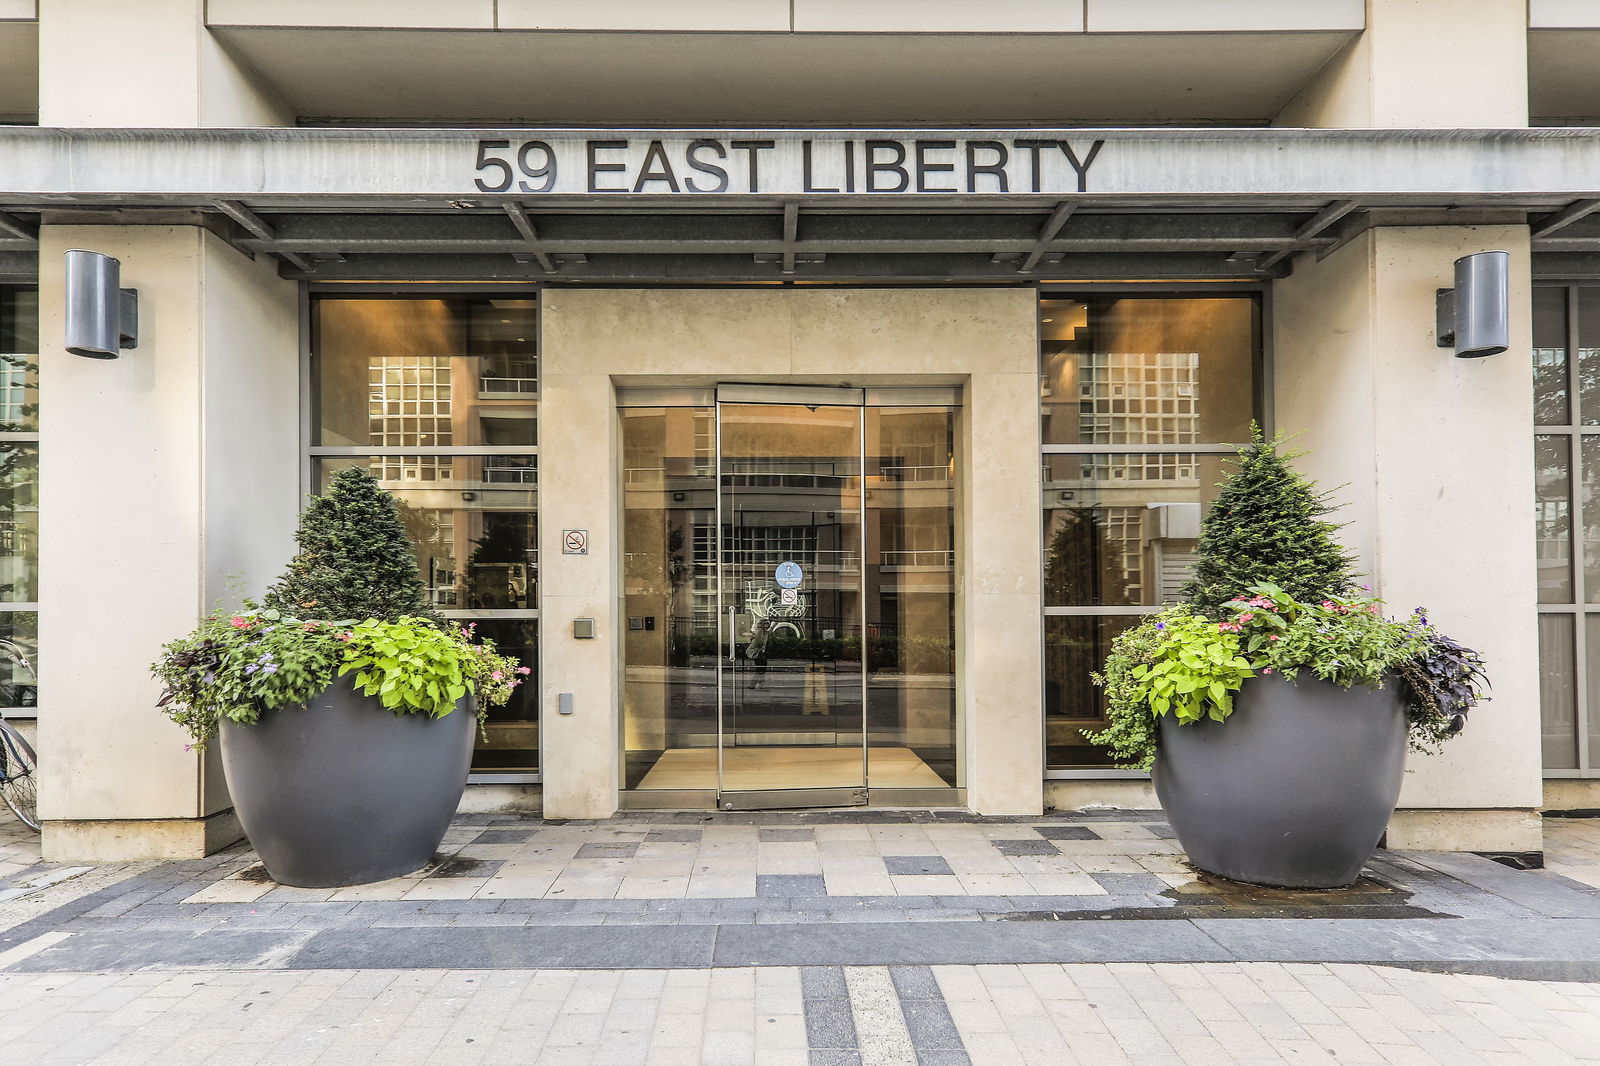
(792, 164)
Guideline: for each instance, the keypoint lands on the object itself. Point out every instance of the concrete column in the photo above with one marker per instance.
(1433, 459)
(1422, 64)
(147, 64)
(1001, 655)
(169, 482)
(578, 489)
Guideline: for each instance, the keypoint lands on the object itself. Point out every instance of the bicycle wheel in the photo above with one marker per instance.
(17, 779)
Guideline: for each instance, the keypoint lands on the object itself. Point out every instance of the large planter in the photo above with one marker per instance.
(344, 792)
(1294, 789)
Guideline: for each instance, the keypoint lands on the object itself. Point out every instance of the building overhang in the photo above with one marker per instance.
(995, 205)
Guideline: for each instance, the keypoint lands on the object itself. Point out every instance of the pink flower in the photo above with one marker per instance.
(497, 676)
(240, 623)
(524, 669)
(1247, 616)
(1268, 670)
(1272, 636)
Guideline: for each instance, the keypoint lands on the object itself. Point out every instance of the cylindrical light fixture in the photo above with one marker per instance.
(102, 317)
(1483, 304)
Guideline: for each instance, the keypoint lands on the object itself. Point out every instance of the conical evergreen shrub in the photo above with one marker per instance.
(355, 561)
(1267, 526)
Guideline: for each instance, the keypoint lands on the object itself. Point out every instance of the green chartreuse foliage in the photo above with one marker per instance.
(355, 560)
(1267, 526)
(409, 664)
(1174, 663)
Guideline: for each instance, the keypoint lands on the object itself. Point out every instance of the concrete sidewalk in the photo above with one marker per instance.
(840, 937)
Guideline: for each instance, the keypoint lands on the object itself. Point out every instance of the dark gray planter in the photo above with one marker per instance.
(344, 792)
(1294, 789)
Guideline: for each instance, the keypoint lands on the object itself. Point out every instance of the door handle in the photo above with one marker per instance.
(733, 646)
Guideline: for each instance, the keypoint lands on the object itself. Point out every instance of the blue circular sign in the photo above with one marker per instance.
(788, 575)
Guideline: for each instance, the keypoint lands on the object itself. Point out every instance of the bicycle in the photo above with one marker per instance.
(18, 780)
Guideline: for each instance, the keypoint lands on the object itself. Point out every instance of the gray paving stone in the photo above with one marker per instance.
(504, 836)
(526, 948)
(945, 943)
(1025, 847)
(175, 949)
(917, 864)
(830, 1024)
(673, 836)
(1548, 894)
(1066, 832)
(934, 1057)
(915, 982)
(834, 1057)
(822, 981)
(1403, 940)
(790, 885)
(1138, 885)
(617, 850)
(468, 868)
(929, 1023)
(785, 834)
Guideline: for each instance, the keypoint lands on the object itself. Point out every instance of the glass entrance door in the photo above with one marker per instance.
(791, 688)
(789, 564)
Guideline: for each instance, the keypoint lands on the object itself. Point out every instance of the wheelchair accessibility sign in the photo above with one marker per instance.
(788, 575)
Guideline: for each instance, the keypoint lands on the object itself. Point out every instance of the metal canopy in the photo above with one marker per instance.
(344, 204)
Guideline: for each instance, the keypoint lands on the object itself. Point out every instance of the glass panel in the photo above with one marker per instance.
(19, 360)
(19, 654)
(669, 650)
(1589, 354)
(791, 690)
(1553, 518)
(19, 522)
(1550, 406)
(426, 373)
(1073, 648)
(1590, 478)
(910, 581)
(1558, 692)
(512, 741)
(1121, 530)
(1143, 370)
(471, 521)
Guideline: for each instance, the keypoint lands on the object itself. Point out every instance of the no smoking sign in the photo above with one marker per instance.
(574, 542)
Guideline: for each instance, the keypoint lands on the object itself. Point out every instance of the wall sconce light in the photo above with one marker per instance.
(1474, 317)
(102, 317)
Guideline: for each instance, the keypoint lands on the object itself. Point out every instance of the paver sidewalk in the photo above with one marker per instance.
(817, 938)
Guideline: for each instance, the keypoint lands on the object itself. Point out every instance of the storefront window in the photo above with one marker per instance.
(1566, 412)
(19, 499)
(1141, 401)
(438, 398)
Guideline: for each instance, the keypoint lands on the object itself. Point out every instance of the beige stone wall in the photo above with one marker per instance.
(1432, 457)
(1418, 67)
(596, 339)
(169, 472)
(146, 64)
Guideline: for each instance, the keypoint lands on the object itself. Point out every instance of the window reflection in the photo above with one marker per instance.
(1140, 370)
(1553, 518)
(1121, 530)
(427, 373)
(471, 521)
(1550, 407)
(510, 743)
